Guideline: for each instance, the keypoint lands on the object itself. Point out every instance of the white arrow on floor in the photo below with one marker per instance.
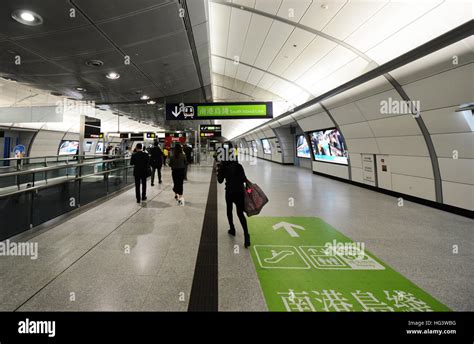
(289, 228)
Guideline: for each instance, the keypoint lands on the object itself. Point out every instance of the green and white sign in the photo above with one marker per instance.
(305, 265)
(199, 111)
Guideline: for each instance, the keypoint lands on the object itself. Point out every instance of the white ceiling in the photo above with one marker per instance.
(15, 94)
(294, 64)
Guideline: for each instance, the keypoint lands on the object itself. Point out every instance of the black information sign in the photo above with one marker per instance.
(210, 130)
(198, 111)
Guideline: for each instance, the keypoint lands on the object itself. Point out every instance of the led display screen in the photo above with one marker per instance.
(328, 145)
(266, 146)
(302, 148)
(99, 148)
(68, 147)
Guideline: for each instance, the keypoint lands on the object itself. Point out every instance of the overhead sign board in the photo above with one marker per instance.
(199, 111)
(206, 130)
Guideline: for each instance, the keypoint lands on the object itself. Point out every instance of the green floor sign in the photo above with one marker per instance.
(306, 265)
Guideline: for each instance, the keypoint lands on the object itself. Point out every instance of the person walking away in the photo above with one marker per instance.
(178, 164)
(229, 169)
(140, 162)
(156, 161)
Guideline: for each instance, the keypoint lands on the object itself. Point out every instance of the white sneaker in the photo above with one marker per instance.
(181, 202)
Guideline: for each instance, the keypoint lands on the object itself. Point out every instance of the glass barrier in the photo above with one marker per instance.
(50, 192)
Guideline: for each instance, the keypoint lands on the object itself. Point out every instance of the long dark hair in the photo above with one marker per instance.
(178, 150)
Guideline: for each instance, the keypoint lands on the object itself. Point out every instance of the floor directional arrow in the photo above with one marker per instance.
(289, 227)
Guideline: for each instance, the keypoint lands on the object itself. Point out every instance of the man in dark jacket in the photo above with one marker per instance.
(140, 161)
(156, 161)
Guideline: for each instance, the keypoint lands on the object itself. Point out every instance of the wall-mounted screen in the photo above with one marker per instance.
(68, 147)
(302, 148)
(266, 146)
(254, 147)
(87, 146)
(329, 146)
(99, 149)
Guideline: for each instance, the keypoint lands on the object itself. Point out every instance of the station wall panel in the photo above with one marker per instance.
(46, 143)
(457, 170)
(368, 145)
(356, 130)
(340, 171)
(450, 88)
(371, 107)
(414, 186)
(315, 122)
(411, 165)
(447, 120)
(458, 195)
(403, 145)
(347, 114)
(357, 174)
(446, 144)
(395, 126)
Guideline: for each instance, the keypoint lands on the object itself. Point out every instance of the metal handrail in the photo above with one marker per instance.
(39, 187)
(52, 168)
(52, 156)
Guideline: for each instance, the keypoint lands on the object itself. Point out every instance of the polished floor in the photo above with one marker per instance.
(124, 256)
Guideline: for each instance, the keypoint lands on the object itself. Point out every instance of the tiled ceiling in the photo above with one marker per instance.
(163, 64)
(299, 49)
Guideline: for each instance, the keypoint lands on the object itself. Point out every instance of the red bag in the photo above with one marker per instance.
(254, 199)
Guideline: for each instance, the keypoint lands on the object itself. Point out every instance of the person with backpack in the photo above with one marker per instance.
(178, 165)
(140, 163)
(156, 162)
(229, 169)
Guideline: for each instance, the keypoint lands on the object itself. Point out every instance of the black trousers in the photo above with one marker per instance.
(178, 178)
(153, 169)
(236, 198)
(138, 180)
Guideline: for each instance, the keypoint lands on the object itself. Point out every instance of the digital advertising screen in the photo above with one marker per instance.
(68, 147)
(266, 146)
(254, 147)
(302, 148)
(100, 147)
(329, 146)
(87, 146)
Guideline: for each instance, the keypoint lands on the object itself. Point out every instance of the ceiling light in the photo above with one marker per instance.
(81, 89)
(27, 17)
(94, 63)
(113, 75)
(144, 97)
(151, 102)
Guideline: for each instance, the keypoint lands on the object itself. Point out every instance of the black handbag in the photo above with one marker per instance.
(148, 170)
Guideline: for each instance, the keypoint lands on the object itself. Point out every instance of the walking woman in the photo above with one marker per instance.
(178, 165)
(234, 175)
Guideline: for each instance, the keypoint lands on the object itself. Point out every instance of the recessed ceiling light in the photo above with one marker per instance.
(151, 102)
(113, 75)
(27, 17)
(81, 89)
(144, 97)
(94, 63)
